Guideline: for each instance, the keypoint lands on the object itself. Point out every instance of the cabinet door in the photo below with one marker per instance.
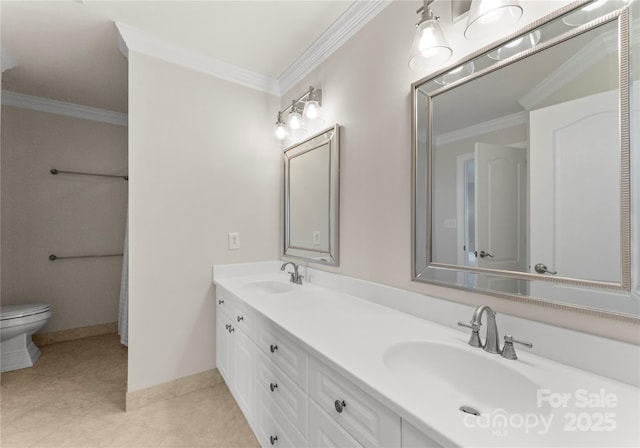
(324, 432)
(244, 378)
(224, 351)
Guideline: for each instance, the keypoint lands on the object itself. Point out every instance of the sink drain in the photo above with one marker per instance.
(469, 410)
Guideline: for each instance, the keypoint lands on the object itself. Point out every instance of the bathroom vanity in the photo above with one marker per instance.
(323, 364)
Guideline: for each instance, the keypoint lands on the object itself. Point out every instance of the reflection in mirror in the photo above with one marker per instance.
(522, 172)
(311, 198)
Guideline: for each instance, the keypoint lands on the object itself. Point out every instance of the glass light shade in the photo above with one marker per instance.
(487, 16)
(311, 110)
(430, 48)
(294, 120)
(280, 131)
(516, 46)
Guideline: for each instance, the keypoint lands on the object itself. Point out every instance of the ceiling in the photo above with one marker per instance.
(68, 50)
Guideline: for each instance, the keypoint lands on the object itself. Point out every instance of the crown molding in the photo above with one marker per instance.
(133, 39)
(349, 23)
(61, 108)
(584, 58)
(475, 130)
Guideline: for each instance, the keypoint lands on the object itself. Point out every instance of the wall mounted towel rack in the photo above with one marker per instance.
(54, 257)
(80, 173)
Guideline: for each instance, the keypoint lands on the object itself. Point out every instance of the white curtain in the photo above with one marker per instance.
(123, 311)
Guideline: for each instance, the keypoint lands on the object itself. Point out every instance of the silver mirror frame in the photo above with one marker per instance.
(330, 135)
(423, 269)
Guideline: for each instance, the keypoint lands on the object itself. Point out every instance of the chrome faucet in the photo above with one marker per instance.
(492, 340)
(295, 276)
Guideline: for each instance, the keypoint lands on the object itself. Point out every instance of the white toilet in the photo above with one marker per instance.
(17, 324)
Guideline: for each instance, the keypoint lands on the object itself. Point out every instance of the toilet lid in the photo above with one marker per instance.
(15, 311)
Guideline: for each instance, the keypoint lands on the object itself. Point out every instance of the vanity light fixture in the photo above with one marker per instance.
(485, 16)
(430, 48)
(309, 103)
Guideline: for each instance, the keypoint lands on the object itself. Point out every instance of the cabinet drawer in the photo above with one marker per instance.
(325, 432)
(273, 428)
(293, 402)
(284, 352)
(369, 422)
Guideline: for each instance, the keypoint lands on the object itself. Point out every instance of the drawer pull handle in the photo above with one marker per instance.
(340, 405)
(273, 386)
(273, 348)
(227, 326)
(231, 329)
(239, 318)
(273, 439)
(220, 301)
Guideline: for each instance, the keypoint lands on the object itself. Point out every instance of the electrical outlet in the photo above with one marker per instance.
(234, 240)
(316, 237)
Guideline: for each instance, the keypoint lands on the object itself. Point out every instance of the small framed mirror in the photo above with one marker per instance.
(311, 198)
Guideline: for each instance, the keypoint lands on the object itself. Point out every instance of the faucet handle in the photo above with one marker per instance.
(474, 327)
(297, 279)
(474, 340)
(509, 350)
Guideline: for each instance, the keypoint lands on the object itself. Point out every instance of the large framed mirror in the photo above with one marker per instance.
(311, 198)
(526, 166)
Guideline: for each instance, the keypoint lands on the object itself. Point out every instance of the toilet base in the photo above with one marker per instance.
(18, 353)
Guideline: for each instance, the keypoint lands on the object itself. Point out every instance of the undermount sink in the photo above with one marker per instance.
(268, 287)
(462, 376)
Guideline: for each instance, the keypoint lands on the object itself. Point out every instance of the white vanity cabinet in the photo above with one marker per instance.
(293, 399)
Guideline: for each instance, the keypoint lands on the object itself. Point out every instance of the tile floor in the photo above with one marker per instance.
(74, 397)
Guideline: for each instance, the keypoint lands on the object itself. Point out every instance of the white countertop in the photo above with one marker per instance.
(352, 335)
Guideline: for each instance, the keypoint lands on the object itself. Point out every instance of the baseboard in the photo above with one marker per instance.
(72, 334)
(140, 398)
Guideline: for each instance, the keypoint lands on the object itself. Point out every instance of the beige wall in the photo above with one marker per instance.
(203, 162)
(44, 214)
(366, 88)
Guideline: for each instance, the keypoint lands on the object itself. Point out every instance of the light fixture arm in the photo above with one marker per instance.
(312, 93)
(426, 12)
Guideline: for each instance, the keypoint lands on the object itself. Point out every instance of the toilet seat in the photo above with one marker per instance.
(17, 311)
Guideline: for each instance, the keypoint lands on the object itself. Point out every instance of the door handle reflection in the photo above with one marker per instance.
(541, 268)
(483, 254)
